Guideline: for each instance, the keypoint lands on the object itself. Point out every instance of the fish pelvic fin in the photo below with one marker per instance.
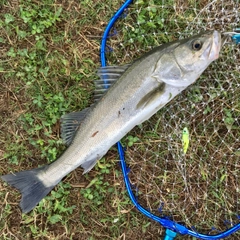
(31, 187)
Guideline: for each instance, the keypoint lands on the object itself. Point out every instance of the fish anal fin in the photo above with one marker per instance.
(88, 165)
(70, 124)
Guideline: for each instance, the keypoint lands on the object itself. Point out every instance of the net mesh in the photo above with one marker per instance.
(198, 188)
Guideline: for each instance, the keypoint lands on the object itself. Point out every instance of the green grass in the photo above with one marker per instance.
(49, 55)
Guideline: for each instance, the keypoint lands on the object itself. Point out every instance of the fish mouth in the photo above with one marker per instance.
(215, 46)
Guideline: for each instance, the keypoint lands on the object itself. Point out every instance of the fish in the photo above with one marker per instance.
(125, 96)
(185, 140)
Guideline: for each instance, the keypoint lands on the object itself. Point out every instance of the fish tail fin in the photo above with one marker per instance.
(31, 187)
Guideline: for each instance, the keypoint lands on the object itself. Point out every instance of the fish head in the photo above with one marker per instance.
(198, 52)
(188, 58)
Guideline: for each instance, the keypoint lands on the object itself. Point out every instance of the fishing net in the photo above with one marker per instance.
(200, 188)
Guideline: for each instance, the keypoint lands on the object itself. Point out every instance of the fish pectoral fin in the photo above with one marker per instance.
(108, 76)
(151, 97)
(87, 166)
(70, 123)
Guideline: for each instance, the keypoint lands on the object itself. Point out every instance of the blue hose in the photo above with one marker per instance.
(172, 228)
(108, 28)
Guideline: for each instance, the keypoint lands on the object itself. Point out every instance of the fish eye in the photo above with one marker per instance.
(196, 45)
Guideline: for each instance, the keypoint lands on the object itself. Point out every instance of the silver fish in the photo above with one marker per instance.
(138, 91)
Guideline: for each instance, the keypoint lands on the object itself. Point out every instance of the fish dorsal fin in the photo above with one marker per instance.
(108, 76)
(70, 123)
